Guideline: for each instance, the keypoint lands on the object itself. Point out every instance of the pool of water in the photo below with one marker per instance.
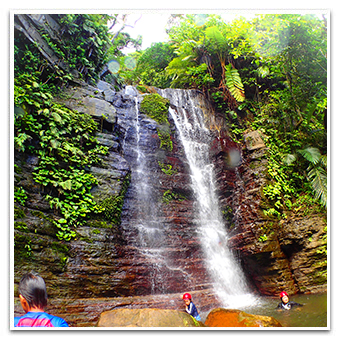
(313, 313)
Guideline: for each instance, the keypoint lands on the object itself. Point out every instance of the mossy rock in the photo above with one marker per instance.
(156, 107)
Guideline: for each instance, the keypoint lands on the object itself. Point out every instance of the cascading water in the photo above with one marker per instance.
(144, 230)
(229, 281)
(144, 226)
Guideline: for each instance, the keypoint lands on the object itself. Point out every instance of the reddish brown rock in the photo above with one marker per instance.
(221, 317)
(276, 255)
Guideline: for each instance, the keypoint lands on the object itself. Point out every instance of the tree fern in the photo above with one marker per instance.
(217, 38)
(317, 176)
(316, 171)
(234, 83)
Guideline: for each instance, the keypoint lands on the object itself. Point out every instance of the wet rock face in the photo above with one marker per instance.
(158, 215)
(108, 260)
(275, 255)
(96, 259)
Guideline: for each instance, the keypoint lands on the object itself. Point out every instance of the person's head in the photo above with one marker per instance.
(32, 292)
(284, 297)
(187, 298)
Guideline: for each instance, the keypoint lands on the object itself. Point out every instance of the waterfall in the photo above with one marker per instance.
(144, 225)
(151, 237)
(227, 276)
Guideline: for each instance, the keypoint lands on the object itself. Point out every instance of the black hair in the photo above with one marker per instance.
(32, 287)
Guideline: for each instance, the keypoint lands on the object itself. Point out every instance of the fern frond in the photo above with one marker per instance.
(234, 83)
(214, 34)
(311, 154)
(323, 160)
(318, 179)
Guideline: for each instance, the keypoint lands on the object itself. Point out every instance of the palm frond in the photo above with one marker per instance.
(311, 154)
(234, 83)
(318, 179)
(323, 160)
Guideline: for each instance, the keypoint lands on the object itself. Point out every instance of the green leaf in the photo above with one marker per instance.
(187, 57)
(54, 143)
(312, 154)
(67, 185)
(56, 117)
(318, 178)
(19, 112)
(214, 34)
(289, 159)
(263, 71)
(234, 83)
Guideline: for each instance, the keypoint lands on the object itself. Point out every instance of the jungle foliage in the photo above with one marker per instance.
(268, 73)
(63, 140)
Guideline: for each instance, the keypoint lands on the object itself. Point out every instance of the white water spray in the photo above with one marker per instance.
(229, 281)
(146, 227)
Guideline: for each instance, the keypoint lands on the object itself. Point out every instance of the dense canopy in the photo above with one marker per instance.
(268, 73)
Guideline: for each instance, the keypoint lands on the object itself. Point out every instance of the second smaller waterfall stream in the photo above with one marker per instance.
(229, 281)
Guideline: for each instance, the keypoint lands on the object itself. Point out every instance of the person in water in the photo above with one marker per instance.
(285, 303)
(33, 299)
(190, 307)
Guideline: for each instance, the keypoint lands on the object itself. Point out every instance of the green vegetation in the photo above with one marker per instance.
(112, 206)
(151, 64)
(267, 74)
(167, 169)
(64, 142)
(170, 195)
(62, 139)
(20, 195)
(156, 107)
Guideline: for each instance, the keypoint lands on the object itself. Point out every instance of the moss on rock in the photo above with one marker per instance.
(156, 107)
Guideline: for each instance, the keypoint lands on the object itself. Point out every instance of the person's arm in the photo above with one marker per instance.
(189, 308)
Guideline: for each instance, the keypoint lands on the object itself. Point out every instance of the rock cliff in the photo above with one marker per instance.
(106, 260)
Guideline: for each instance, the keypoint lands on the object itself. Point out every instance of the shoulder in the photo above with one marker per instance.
(40, 319)
(193, 305)
(57, 321)
(16, 320)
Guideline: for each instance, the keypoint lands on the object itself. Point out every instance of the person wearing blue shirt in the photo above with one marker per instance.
(33, 299)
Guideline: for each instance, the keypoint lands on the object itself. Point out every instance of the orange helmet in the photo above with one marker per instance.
(186, 296)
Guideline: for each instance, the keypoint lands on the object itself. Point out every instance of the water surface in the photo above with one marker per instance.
(313, 313)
